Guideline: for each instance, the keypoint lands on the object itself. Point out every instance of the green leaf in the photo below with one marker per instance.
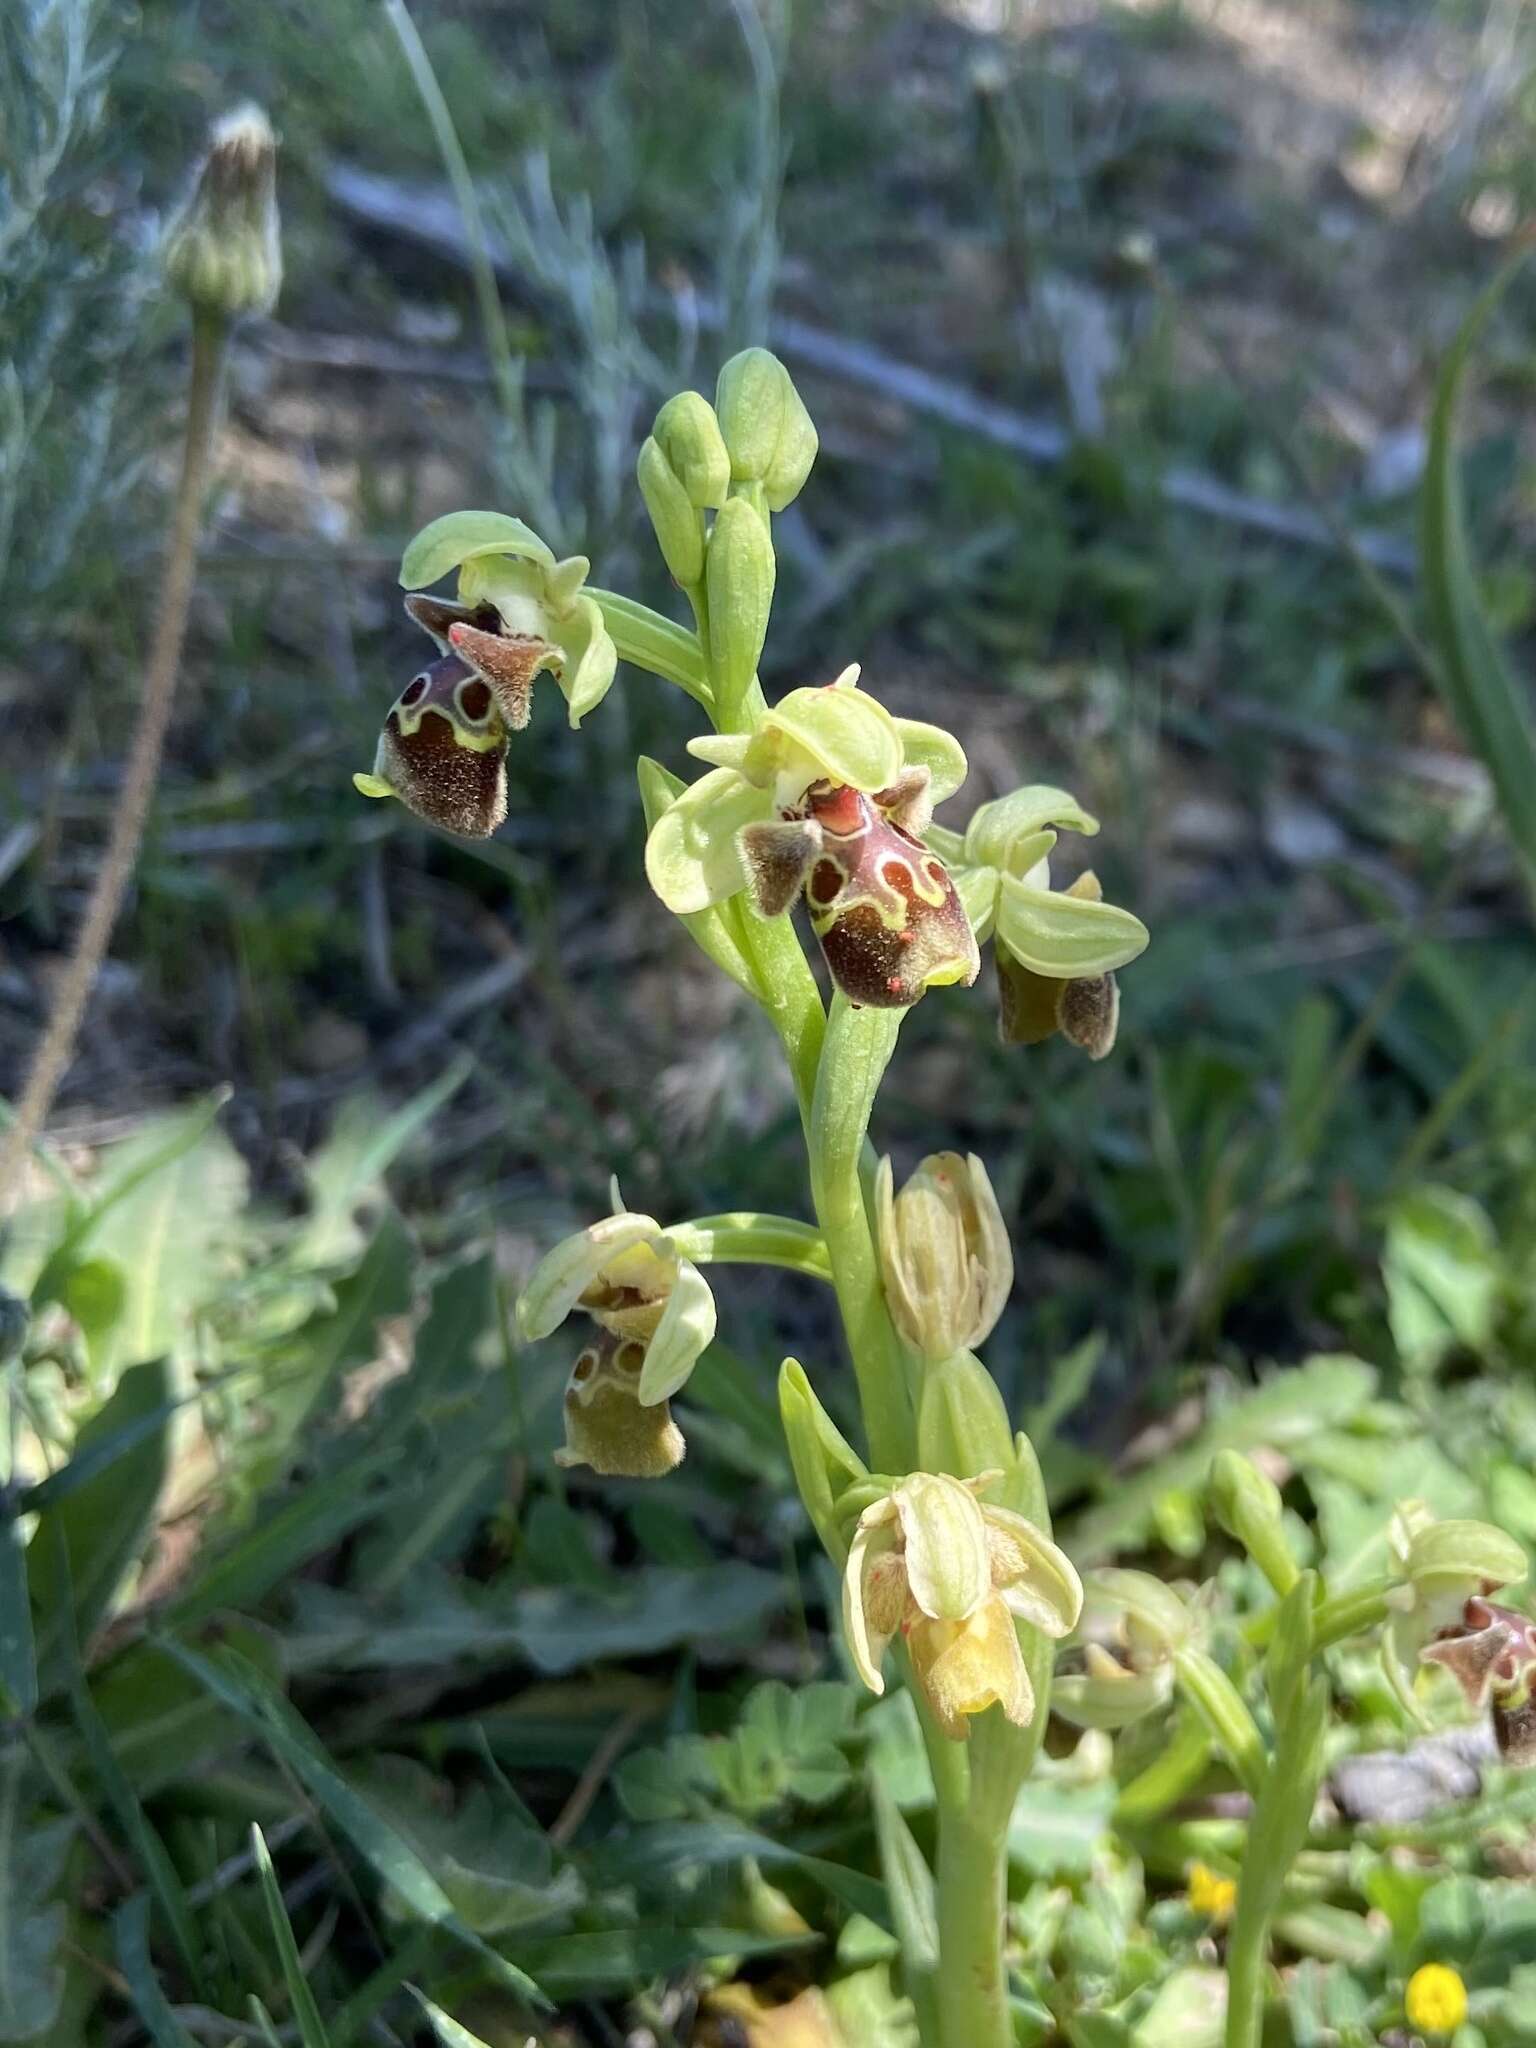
(705, 1844)
(31, 1921)
(245, 1692)
(160, 1723)
(302, 2000)
(1478, 689)
(100, 1527)
(169, 1222)
(460, 537)
(617, 1959)
(130, 1925)
(913, 1908)
(1442, 1271)
(147, 1846)
(348, 1170)
(1059, 1830)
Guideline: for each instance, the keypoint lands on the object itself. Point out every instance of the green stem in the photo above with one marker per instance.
(747, 1237)
(1247, 1944)
(1350, 1614)
(652, 642)
(972, 1896)
(1170, 1777)
(1221, 1707)
(859, 1044)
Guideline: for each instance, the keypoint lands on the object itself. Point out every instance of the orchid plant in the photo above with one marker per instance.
(938, 1522)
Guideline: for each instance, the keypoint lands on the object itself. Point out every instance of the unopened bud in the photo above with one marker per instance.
(944, 1254)
(223, 253)
(688, 435)
(1247, 1504)
(740, 572)
(766, 426)
(676, 522)
(962, 1422)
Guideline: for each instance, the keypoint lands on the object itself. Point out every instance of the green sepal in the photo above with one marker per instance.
(836, 734)
(825, 1463)
(691, 856)
(710, 929)
(589, 659)
(931, 747)
(994, 833)
(1067, 938)
(460, 536)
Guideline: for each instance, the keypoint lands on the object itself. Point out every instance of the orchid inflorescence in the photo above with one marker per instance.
(826, 800)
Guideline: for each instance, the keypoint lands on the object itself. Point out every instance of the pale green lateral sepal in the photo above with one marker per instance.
(684, 1334)
(691, 856)
(709, 929)
(1065, 937)
(589, 657)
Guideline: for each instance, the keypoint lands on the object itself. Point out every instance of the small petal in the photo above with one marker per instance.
(944, 1544)
(562, 1276)
(606, 1424)
(589, 660)
(777, 856)
(691, 855)
(683, 1335)
(507, 662)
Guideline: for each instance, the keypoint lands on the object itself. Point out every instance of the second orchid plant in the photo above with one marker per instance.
(938, 1522)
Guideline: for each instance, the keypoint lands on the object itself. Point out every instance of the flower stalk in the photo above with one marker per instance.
(825, 800)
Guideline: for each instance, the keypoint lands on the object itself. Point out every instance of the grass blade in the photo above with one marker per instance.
(247, 1694)
(130, 1926)
(1479, 691)
(446, 2028)
(302, 2000)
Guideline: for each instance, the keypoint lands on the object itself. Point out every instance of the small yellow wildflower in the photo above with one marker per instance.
(1211, 1893)
(1436, 1999)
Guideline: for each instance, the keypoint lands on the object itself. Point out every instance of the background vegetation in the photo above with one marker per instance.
(1121, 324)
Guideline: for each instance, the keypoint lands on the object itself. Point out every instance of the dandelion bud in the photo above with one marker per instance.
(443, 751)
(223, 252)
(688, 436)
(944, 1254)
(607, 1425)
(765, 426)
(673, 517)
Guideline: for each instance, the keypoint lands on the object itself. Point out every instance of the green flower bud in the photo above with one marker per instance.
(1154, 1620)
(944, 1254)
(1247, 1505)
(739, 574)
(678, 533)
(766, 426)
(688, 435)
(962, 1423)
(223, 252)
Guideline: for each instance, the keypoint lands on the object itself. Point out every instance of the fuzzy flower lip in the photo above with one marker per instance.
(931, 1562)
(524, 595)
(623, 1273)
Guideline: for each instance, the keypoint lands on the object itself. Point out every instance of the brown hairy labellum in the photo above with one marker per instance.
(1492, 1656)
(606, 1424)
(508, 662)
(443, 749)
(888, 917)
